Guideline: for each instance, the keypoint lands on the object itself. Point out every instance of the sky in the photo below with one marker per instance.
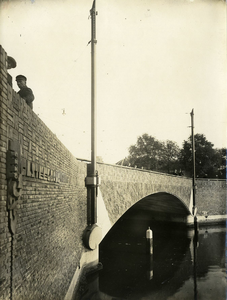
(156, 61)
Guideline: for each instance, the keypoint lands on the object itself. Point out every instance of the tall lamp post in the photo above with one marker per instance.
(92, 234)
(193, 162)
(194, 210)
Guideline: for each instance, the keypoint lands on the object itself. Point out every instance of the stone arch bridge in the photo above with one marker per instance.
(122, 188)
(43, 202)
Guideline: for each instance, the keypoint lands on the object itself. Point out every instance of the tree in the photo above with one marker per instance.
(151, 154)
(221, 162)
(145, 153)
(205, 157)
(171, 156)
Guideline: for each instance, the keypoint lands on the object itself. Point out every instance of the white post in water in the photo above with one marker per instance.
(149, 237)
(149, 250)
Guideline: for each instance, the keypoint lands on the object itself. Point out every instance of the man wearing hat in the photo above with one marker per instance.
(25, 92)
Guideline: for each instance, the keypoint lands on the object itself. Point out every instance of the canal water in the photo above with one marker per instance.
(182, 266)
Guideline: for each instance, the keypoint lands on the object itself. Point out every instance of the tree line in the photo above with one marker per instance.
(167, 157)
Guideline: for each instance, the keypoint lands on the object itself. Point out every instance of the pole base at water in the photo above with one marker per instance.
(92, 236)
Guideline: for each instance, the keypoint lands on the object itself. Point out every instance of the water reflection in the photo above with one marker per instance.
(182, 266)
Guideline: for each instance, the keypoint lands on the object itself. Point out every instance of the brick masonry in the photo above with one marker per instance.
(211, 197)
(51, 213)
(41, 258)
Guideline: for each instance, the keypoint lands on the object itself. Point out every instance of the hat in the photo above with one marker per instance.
(19, 77)
(11, 62)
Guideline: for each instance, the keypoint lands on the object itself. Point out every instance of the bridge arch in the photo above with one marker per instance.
(161, 206)
(156, 207)
(126, 241)
(123, 187)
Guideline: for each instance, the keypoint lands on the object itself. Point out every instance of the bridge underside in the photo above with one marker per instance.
(160, 207)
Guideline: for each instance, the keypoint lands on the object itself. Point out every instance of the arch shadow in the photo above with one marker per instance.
(160, 206)
(124, 247)
(159, 210)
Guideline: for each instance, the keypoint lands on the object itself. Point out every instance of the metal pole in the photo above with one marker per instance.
(193, 160)
(93, 233)
(196, 226)
(93, 90)
(93, 115)
(195, 241)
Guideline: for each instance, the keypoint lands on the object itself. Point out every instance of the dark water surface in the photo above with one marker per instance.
(182, 266)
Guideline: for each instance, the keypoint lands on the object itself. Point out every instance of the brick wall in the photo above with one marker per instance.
(40, 259)
(211, 196)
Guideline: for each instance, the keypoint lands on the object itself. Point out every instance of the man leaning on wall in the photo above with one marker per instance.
(25, 92)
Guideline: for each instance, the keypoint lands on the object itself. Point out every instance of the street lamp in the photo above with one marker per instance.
(193, 162)
(93, 234)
